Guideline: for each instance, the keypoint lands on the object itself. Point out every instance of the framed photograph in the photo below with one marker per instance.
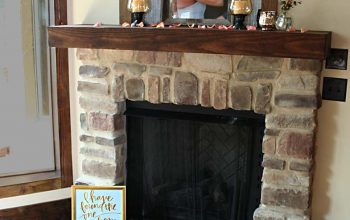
(95, 202)
(190, 12)
(337, 59)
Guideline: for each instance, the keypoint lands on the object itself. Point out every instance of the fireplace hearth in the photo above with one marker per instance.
(171, 181)
(192, 163)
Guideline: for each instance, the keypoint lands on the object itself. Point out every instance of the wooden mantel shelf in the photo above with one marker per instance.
(309, 45)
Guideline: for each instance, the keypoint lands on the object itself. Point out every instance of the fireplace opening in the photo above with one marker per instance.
(192, 163)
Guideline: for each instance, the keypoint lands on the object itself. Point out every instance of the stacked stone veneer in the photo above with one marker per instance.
(286, 90)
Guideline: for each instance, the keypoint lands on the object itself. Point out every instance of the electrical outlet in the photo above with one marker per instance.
(334, 89)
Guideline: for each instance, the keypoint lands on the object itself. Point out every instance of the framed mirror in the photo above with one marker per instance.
(191, 12)
(197, 11)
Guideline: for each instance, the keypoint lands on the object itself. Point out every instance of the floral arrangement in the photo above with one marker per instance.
(286, 5)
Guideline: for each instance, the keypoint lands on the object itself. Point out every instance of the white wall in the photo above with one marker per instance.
(332, 178)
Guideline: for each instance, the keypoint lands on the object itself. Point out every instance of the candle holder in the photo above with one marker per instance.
(240, 9)
(138, 8)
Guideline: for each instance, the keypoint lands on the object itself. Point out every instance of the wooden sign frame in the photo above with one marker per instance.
(90, 204)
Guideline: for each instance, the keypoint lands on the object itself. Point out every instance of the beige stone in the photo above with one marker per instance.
(213, 63)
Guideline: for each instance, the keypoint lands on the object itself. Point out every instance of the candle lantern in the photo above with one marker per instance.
(240, 9)
(138, 8)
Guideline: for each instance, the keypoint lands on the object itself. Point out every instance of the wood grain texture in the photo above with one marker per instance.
(27, 188)
(269, 5)
(310, 45)
(63, 100)
(57, 210)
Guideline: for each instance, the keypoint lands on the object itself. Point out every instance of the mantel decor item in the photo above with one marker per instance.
(98, 202)
(187, 12)
(267, 20)
(283, 21)
(240, 9)
(138, 8)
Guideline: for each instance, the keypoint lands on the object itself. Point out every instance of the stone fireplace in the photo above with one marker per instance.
(284, 90)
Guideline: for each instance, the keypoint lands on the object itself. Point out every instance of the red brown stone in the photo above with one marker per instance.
(220, 94)
(153, 89)
(297, 145)
(105, 122)
(166, 90)
(186, 88)
(205, 98)
(291, 198)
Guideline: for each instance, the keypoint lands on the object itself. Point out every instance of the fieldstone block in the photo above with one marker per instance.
(205, 98)
(111, 142)
(265, 214)
(110, 153)
(269, 145)
(254, 76)
(272, 132)
(299, 166)
(106, 122)
(306, 65)
(256, 64)
(135, 89)
(282, 179)
(299, 82)
(91, 71)
(153, 89)
(118, 93)
(116, 55)
(172, 59)
(273, 163)
(98, 169)
(290, 198)
(186, 88)
(220, 94)
(241, 97)
(87, 54)
(87, 139)
(93, 88)
(156, 70)
(213, 63)
(145, 57)
(262, 98)
(302, 121)
(106, 106)
(297, 145)
(166, 90)
(128, 68)
(297, 101)
(83, 121)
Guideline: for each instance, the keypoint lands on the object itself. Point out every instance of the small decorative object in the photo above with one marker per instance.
(283, 22)
(98, 24)
(251, 28)
(291, 29)
(98, 202)
(240, 9)
(138, 8)
(267, 20)
(303, 30)
(337, 59)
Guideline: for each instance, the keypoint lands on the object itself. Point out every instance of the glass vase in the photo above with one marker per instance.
(283, 22)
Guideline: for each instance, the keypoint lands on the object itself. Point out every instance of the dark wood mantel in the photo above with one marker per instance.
(309, 45)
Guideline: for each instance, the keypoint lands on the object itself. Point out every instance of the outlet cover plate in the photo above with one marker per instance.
(334, 89)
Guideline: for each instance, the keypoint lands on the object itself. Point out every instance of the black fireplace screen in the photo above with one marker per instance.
(192, 165)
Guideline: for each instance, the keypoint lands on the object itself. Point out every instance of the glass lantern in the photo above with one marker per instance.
(138, 8)
(239, 9)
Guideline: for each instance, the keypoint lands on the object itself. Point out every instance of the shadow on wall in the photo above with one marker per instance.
(324, 158)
